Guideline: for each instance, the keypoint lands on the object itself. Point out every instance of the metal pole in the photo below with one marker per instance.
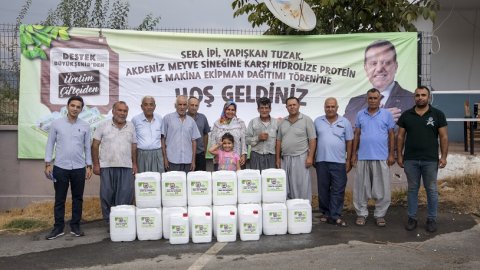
(472, 139)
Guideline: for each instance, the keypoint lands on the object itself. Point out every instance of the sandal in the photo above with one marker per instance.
(323, 218)
(381, 222)
(361, 221)
(339, 222)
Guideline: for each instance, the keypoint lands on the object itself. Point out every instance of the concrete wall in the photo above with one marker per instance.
(456, 56)
(455, 59)
(22, 181)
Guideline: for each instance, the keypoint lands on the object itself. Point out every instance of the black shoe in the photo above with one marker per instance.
(431, 225)
(411, 224)
(54, 234)
(76, 232)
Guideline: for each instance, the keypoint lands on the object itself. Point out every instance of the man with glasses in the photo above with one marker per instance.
(380, 64)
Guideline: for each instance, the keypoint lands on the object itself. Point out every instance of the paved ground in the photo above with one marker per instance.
(454, 246)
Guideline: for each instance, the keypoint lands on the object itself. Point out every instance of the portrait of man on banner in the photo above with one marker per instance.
(380, 64)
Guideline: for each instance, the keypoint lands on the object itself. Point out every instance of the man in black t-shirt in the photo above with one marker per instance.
(423, 125)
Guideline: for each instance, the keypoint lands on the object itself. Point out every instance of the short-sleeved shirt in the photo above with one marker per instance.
(227, 160)
(115, 144)
(203, 128)
(71, 142)
(257, 126)
(295, 136)
(422, 133)
(178, 137)
(149, 134)
(374, 134)
(331, 139)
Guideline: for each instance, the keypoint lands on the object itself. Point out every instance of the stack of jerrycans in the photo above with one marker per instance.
(224, 188)
(249, 208)
(274, 196)
(199, 187)
(148, 206)
(174, 201)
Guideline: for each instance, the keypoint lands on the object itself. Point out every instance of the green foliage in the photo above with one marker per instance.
(8, 105)
(119, 15)
(345, 16)
(34, 38)
(148, 23)
(95, 14)
(23, 224)
(99, 14)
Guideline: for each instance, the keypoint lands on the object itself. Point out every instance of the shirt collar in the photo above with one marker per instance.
(300, 116)
(113, 124)
(68, 121)
(324, 118)
(144, 118)
(386, 93)
(365, 111)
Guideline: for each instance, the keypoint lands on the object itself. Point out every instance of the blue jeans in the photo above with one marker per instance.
(331, 182)
(427, 171)
(75, 178)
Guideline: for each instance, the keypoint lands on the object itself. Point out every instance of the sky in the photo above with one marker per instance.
(173, 13)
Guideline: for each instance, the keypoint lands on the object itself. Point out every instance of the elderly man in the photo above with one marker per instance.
(180, 133)
(380, 64)
(294, 150)
(372, 155)
(70, 137)
(203, 128)
(423, 126)
(334, 148)
(114, 154)
(148, 127)
(261, 136)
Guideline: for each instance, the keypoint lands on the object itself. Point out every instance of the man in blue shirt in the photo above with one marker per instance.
(70, 137)
(372, 155)
(179, 138)
(148, 127)
(334, 147)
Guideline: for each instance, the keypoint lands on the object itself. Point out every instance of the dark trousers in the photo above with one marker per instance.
(200, 162)
(117, 187)
(75, 178)
(331, 181)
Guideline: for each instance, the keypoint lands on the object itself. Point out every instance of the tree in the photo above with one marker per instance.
(345, 16)
(81, 13)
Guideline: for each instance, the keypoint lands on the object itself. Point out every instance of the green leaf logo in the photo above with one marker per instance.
(35, 38)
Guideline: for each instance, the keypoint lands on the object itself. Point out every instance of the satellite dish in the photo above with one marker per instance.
(294, 13)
